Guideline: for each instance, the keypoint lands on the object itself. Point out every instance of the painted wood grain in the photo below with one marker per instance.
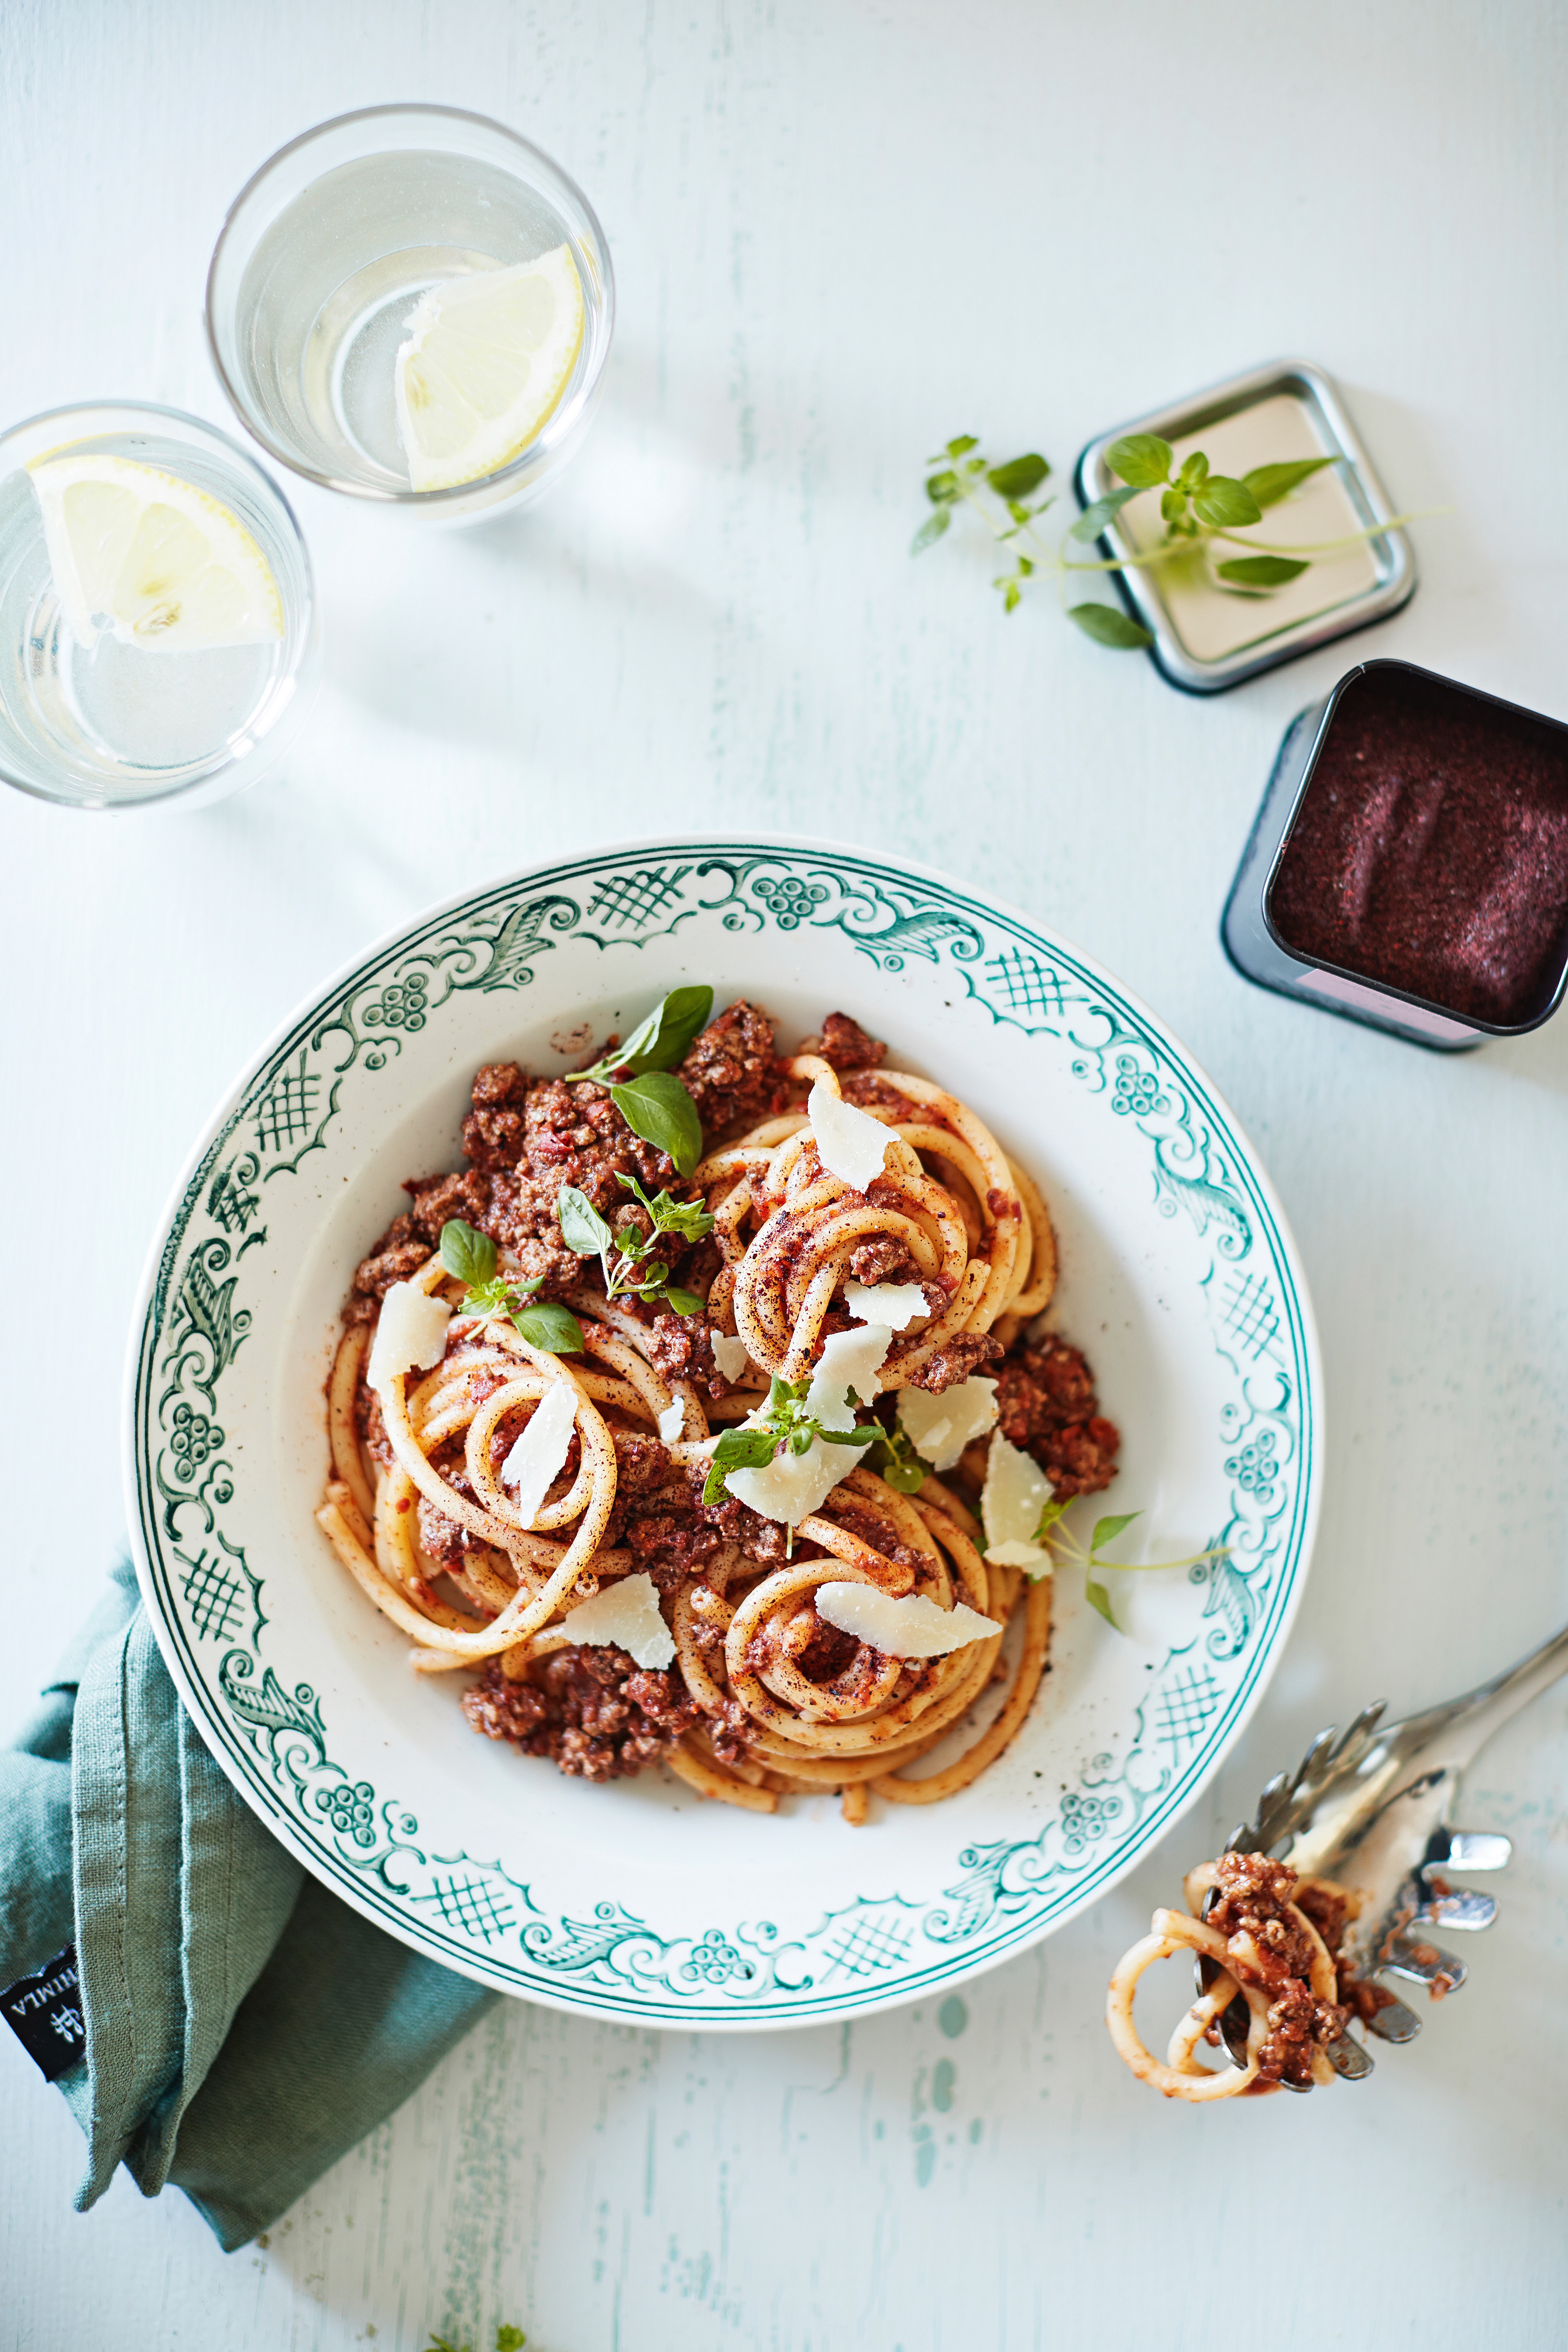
(843, 232)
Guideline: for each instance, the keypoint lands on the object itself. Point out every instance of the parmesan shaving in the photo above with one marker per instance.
(1016, 1492)
(410, 1336)
(850, 1143)
(940, 1427)
(671, 1422)
(914, 1628)
(627, 1614)
(731, 1356)
(896, 1304)
(792, 1486)
(849, 1359)
(541, 1452)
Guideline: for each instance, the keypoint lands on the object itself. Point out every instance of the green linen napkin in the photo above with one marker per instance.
(244, 2027)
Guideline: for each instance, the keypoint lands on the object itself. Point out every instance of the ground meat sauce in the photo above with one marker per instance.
(1046, 1405)
(594, 1711)
(588, 1707)
(732, 1072)
(1270, 1949)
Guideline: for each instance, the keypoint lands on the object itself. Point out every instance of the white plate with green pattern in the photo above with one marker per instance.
(638, 1900)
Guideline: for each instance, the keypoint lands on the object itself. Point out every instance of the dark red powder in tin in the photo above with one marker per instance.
(1430, 849)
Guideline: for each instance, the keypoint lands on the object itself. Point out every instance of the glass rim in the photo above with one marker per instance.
(306, 635)
(376, 493)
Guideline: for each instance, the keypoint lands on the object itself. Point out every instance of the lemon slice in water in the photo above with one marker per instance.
(153, 559)
(486, 359)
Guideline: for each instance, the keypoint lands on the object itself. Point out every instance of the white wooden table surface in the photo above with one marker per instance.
(843, 230)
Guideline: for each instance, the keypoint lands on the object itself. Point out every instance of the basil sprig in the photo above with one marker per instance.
(469, 1257)
(1197, 507)
(635, 1271)
(659, 1042)
(641, 1080)
(896, 1460)
(785, 1422)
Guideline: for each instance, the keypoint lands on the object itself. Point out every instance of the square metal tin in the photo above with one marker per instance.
(1256, 949)
(1306, 417)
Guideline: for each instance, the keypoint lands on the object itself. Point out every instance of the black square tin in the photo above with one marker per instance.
(1251, 935)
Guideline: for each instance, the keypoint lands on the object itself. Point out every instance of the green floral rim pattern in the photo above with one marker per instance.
(206, 1598)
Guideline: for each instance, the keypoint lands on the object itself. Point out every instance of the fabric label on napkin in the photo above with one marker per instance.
(43, 2013)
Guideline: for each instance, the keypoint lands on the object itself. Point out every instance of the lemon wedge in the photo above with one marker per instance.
(486, 359)
(158, 562)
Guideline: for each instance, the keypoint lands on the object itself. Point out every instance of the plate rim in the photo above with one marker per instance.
(632, 2006)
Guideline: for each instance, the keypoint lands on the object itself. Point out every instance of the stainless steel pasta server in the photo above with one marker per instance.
(1371, 1810)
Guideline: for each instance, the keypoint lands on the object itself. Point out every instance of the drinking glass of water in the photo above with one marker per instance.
(413, 305)
(158, 637)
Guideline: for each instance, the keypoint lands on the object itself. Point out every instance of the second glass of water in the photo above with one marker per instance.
(361, 329)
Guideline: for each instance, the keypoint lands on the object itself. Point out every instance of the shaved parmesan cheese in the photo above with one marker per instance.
(410, 1335)
(850, 1143)
(1016, 1492)
(541, 1450)
(731, 1356)
(626, 1613)
(941, 1426)
(896, 1304)
(849, 1359)
(915, 1628)
(792, 1486)
(671, 1422)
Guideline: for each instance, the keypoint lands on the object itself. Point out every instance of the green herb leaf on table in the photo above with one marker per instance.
(1141, 458)
(1017, 476)
(962, 447)
(1107, 1530)
(1262, 571)
(509, 2339)
(1109, 625)
(944, 487)
(1225, 504)
(930, 530)
(1269, 484)
(657, 1107)
(1091, 523)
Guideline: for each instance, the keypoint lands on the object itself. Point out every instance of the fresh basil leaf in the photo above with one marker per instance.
(1093, 520)
(1141, 458)
(657, 1107)
(1097, 1597)
(1107, 1530)
(963, 445)
(1225, 504)
(1012, 595)
(553, 1329)
(1262, 571)
(943, 488)
(683, 1302)
(738, 1449)
(509, 2339)
(468, 1255)
(1195, 469)
(1018, 476)
(1172, 506)
(930, 530)
(846, 1437)
(1269, 484)
(582, 1227)
(904, 1478)
(663, 1038)
(1109, 625)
